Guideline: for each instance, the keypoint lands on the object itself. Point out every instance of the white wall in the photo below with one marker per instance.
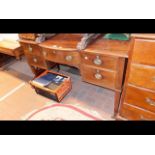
(9, 36)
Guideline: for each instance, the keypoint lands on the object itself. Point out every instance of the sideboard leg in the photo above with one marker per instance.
(117, 102)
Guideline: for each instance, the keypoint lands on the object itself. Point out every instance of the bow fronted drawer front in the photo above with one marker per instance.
(71, 58)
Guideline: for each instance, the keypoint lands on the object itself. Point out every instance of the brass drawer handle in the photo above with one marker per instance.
(142, 118)
(54, 52)
(153, 79)
(30, 49)
(45, 53)
(97, 61)
(98, 76)
(69, 58)
(150, 101)
(35, 60)
(86, 58)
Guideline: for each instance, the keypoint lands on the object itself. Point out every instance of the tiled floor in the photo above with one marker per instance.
(94, 97)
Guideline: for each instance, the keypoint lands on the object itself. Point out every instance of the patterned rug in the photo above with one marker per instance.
(61, 112)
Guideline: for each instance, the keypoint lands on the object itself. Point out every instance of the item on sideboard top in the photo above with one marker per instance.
(37, 37)
(117, 36)
(87, 39)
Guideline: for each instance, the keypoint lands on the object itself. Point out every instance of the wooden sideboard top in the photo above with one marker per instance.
(69, 42)
(144, 35)
(63, 42)
(110, 47)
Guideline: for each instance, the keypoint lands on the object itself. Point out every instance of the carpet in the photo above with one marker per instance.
(61, 112)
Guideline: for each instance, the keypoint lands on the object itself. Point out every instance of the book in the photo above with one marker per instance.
(44, 80)
(57, 81)
(49, 80)
(52, 86)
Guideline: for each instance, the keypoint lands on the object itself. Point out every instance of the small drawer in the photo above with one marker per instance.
(71, 58)
(31, 49)
(134, 113)
(36, 61)
(99, 60)
(142, 75)
(98, 77)
(144, 51)
(64, 57)
(140, 97)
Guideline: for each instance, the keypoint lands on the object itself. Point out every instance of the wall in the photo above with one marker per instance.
(9, 36)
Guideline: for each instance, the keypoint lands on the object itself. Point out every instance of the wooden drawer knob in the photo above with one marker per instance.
(69, 58)
(97, 61)
(54, 52)
(35, 60)
(30, 49)
(150, 101)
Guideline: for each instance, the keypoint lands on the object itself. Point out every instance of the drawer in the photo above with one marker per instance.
(98, 77)
(31, 49)
(144, 51)
(132, 113)
(142, 75)
(99, 60)
(36, 61)
(141, 98)
(64, 57)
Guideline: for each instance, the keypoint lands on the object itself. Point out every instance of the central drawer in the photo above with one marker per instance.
(142, 75)
(140, 97)
(98, 77)
(71, 58)
(99, 60)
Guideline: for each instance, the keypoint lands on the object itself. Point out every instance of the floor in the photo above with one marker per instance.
(94, 98)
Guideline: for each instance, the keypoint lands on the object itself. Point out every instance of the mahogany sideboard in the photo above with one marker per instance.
(102, 63)
(106, 63)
